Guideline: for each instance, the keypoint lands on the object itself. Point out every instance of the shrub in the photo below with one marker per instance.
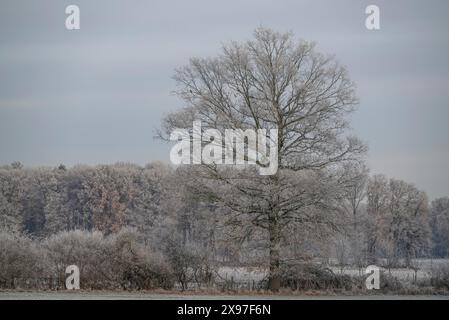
(20, 259)
(307, 276)
(190, 264)
(117, 261)
(136, 266)
(389, 283)
(87, 250)
(440, 278)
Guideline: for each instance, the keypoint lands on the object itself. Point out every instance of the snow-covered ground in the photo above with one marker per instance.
(423, 269)
(240, 274)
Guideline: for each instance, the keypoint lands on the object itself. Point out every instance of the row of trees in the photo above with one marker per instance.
(46, 200)
(358, 220)
(391, 219)
(40, 202)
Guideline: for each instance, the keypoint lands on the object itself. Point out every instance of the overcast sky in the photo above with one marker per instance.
(96, 95)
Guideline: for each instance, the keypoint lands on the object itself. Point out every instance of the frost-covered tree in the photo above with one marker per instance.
(150, 195)
(271, 82)
(398, 221)
(408, 221)
(353, 190)
(11, 196)
(376, 210)
(440, 227)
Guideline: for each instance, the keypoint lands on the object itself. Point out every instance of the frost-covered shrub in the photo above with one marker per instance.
(389, 283)
(117, 261)
(440, 278)
(87, 250)
(307, 276)
(190, 264)
(136, 266)
(20, 259)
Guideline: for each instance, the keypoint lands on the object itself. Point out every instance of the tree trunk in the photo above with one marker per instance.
(371, 252)
(274, 281)
(274, 227)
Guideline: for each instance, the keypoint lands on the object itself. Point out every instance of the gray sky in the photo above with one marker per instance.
(96, 95)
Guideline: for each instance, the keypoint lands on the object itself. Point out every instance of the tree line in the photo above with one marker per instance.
(361, 219)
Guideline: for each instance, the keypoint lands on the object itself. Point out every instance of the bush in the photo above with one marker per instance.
(389, 283)
(190, 264)
(20, 260)
(135, 266)
(118, 261)
(87, 250)
(440, 278)
(307, 276)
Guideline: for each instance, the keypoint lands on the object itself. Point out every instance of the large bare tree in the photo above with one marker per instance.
(271, 82)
